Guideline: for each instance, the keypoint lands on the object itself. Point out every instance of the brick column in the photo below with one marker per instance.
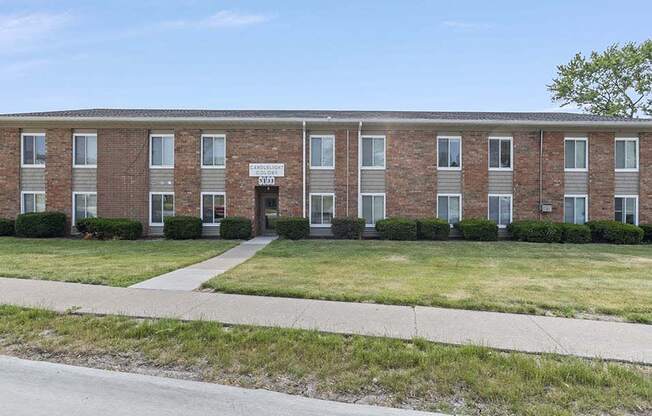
(341, 173)
(526, 175)
(475, 174)
(601, 176)
(58, 172)
(645, 178)
(9, 172)
(187, 172)
(411, 174)
(553, 175)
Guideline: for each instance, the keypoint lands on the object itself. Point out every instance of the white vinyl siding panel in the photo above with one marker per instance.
(576, 183)
(372, 181)
(501, 182)
(449, 181)
(213, 180)
(626, 183)
(84, 180)
(32, 179)
(161, 180)
(322, 181)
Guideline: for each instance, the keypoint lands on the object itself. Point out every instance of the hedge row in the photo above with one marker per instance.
(235, 228)
(110, 228)
(41, 225)
(613, 232)
(7, 227)
(407, 229)
(180, 227)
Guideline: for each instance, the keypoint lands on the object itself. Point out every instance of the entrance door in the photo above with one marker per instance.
(267, 210)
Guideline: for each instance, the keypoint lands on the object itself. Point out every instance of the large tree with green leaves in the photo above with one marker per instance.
(616, 82)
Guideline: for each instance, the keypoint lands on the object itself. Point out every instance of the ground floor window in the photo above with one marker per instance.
(84, 205)
(575, 207)
(213, 208)
(161, 206)
(322, 209)
(500, 209)
(32, 202)
(373, 208)
(449, 208)
(626, 209)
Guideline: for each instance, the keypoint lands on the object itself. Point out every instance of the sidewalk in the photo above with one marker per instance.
(537, 334)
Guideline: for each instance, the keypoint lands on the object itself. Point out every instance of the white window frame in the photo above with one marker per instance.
(635, 197)
(201, 145)
(74, 194)
(448, 195)
(500, 149)
(449, 138)
(22, 151)
(372, 136)
(322, 136)
(174, 208)
(151, 151)
(511, 207)
(322, 194)
(201, 207)
(74, 150)
(586, 156)
(586, 206)
(22, 199)
(373, 194)
(627, 139)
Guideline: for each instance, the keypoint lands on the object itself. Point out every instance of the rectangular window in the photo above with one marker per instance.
(162, 151)
(213, 151)
(161, 206)
(575, 208)
(627, 154)
(213, 208)
(626, 209)
(373, 208)
(373, 152)
(34, 151)
(322, 209)
(500, 153)
(500, 209)
(449, 150)
(32, 202)
(84, 149)
(449, 208)
(84, 206)
(322, 152)
(575, 153)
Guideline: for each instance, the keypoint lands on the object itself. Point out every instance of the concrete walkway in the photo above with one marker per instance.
(538, 334)
(191, 277)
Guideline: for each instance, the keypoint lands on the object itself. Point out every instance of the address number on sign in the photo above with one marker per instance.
(266, 180)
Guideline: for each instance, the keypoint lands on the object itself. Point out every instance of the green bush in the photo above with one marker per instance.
(575, 233)
(478, 229)
(180, 227)
(348, 228)
(615, 232)
(41, 225)
(397, 229)
(433, 229)
(110, 228)
(647, 232)
(535, 231)
(235, 228)
(293, 228)
(7, 227)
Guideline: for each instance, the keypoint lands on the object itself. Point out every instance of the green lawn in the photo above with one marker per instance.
(113, 263)
(418, 374)
(567, 280)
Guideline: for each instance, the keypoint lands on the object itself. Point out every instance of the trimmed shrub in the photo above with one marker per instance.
(615, 232)
(575, 233)
(535, 231)
(180, 227)
(293, 228)
(110, 228)
(433, 229)
(235, 228)
(647, 232)
(41, 225)
(7, 227)
(478, 229)
(397, 229)
(348, 228)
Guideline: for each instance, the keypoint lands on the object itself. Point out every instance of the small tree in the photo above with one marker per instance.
(616, 82)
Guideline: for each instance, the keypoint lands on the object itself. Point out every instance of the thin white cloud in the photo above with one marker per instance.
(464, 25)
(18, 29)
(221, 19)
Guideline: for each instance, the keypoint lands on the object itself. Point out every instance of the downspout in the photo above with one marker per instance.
(540, 172)
(304, 169)
(359, 214)
(347, 171)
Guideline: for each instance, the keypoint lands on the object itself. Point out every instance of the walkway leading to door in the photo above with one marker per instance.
(538, 334)
(191, 277)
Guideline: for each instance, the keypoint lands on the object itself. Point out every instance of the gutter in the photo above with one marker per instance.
(540, 173)
(304, 169)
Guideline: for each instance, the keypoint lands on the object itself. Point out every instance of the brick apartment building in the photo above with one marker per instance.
(148, 164)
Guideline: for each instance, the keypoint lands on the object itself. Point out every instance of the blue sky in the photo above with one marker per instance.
(395, 55)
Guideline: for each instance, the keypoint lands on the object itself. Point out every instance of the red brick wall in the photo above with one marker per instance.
(411, 174)
(601, 176)
(526, 175)
(123, 174)
(341, 173)
(553, 174)
(9, 172)
(645, 178)
(187, 172)
(58, 171)
(475, 174)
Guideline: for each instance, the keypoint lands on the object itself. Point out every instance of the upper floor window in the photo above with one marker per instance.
(33, 149)
(575, 153)
(161, 151)
(500, 209)
(575, 208)
(500, 153)
(373, 208)
(32, 202)
(449, 152)
(213, 150)
(213, 208)
(626, 209)
(449, 208)
(322, 209)
(84, 148)
(627, 154)
(161, 206)
(322, 152)
(373, 152)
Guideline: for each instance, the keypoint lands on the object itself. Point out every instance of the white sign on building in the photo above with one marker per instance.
(267, 169)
